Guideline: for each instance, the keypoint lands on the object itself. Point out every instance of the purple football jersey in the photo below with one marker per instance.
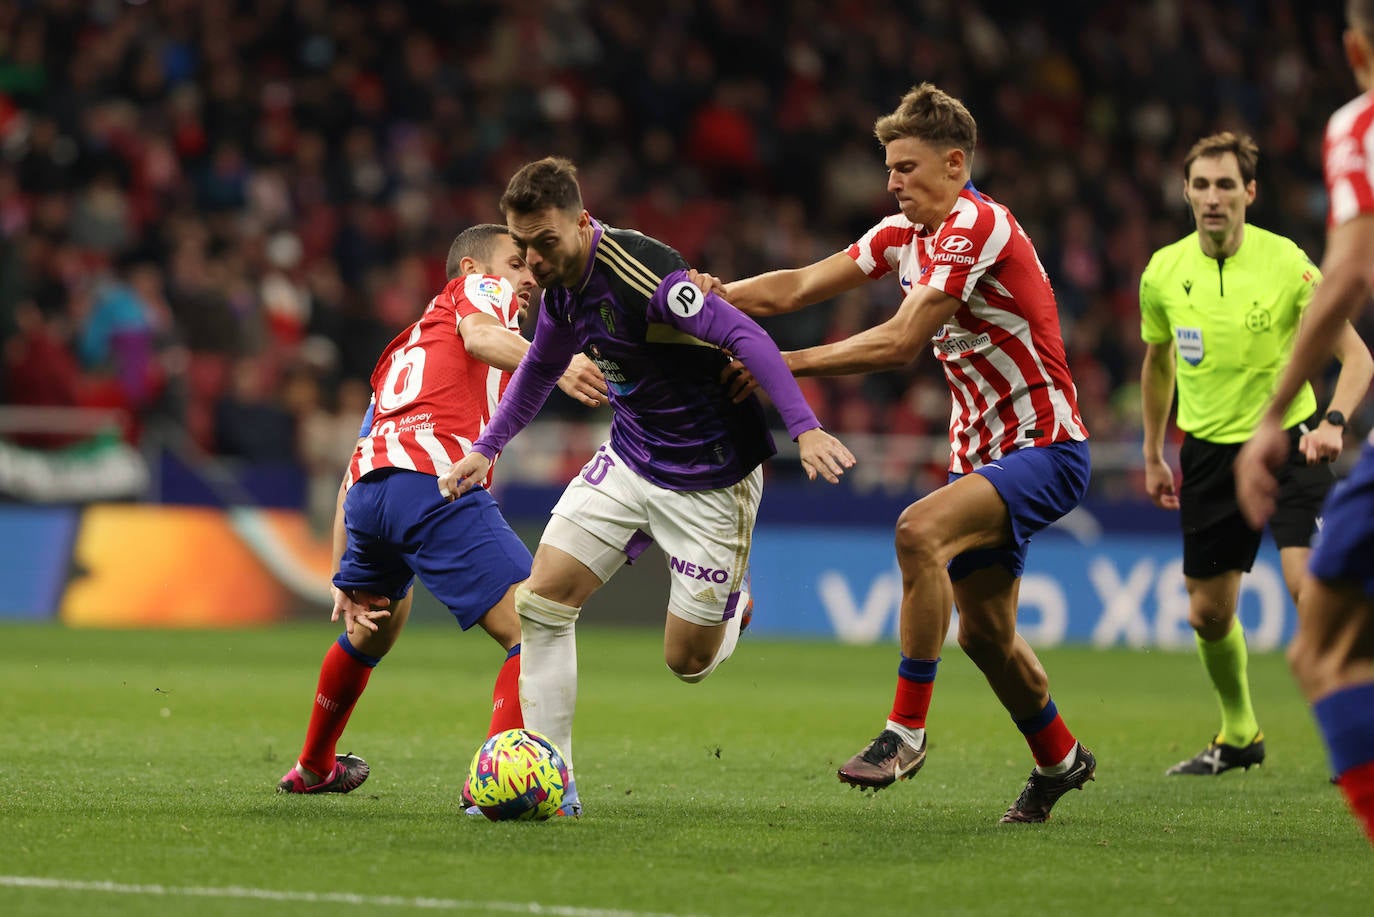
(662, 345)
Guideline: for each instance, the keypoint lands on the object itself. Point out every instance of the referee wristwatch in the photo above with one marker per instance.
(1335, 418)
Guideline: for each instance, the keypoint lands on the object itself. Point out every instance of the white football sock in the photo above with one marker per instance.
(548, 668)
(1054, 770)
(913, 737)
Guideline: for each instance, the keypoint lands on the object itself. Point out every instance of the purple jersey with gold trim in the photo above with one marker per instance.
(662, 345)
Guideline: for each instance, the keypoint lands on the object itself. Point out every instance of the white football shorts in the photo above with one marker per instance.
(609, 514)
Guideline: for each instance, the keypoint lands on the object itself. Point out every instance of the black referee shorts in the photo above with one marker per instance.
(1216, 537)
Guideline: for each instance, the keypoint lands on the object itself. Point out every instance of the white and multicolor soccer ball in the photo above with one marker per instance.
(517, 774)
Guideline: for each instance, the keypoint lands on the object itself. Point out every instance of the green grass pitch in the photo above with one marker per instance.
(139, 770)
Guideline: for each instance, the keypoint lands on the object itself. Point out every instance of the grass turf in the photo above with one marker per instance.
(147, 760)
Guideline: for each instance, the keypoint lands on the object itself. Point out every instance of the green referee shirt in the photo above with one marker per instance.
(1233, 321)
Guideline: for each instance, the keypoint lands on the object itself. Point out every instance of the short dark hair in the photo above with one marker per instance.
(931, 115)
(1360, 14)
(475, 243)
(1244, 148)
(544, 183)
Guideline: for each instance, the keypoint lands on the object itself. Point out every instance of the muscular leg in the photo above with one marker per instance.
(501, 621)
(503, 624)
(963, 515)
(1333, 648)
(344, 675)
(378, 643)
(987, 633)
(1212, 603)
(1332, 657)
(1221, 644)
(1294, 563)
(958, 517)
(694, 650)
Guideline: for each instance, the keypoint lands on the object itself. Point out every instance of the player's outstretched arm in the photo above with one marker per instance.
(486, 339)
(788, 290)
(739, 382)
(891, 345)
(465, 475)
(824, 455)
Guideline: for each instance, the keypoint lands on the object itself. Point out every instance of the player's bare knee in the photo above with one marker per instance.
(1209, 621)
(918, 540)
(375, 643)
(984, 643)
(503, 624)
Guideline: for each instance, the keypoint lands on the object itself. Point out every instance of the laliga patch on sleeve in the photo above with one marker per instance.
(490, 294)
(685, 299)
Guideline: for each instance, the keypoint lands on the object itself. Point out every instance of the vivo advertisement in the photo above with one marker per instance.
(1118, 590)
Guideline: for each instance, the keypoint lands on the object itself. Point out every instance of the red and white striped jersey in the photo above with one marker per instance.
(1348, 158)
(1003, 352)
(430, 398)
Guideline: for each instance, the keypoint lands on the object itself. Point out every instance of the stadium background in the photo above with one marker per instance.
(213, 215)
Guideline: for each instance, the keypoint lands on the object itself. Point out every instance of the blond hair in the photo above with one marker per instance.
(929, 114)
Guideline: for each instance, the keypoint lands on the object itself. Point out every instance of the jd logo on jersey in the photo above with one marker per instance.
(1189, 342)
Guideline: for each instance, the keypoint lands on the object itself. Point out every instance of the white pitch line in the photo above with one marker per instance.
(267, 894)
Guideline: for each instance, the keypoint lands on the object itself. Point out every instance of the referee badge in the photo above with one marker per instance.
(1189, 344)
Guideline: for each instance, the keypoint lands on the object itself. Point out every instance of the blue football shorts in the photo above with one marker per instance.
(1039, 484)
(1344, 544)
(400, 527)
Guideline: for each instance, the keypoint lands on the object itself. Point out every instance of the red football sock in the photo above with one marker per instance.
(911, 703)
(1358, 786)
(1049, 739)
(505, 696)
(342, 680)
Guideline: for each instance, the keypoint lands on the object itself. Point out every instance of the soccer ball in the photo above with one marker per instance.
(517, 774)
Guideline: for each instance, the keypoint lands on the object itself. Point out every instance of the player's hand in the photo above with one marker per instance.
(1257, 487)
(583, 382)
(823, 454)
(739, 382)
(1159, 483)
(1323, 444)
(359, 608)
(464, 476)
(707, 283)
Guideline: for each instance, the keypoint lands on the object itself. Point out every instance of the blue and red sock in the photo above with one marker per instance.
(1346, 720)
(915, 684)
(505, 696)
(1049, 739)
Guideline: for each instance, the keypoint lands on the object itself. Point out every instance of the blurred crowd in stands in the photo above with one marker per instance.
(215, 213)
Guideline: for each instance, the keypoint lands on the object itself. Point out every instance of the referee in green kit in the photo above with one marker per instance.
(1219, 310)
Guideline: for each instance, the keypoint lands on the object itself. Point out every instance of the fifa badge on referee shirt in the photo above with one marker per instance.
(1189, 344)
